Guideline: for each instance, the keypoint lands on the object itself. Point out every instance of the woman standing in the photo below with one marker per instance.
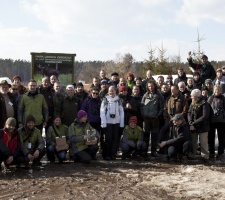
(217, 102)
(112, 119)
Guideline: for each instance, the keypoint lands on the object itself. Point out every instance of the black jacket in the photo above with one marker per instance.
(173, 135)
(205, 70)
(198, 115)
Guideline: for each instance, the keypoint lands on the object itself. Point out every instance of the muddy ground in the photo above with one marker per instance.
(154, 179)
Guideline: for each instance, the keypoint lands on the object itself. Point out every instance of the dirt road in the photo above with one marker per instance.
(116, 180)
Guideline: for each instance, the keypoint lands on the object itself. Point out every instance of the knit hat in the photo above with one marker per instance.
(81, 114)
(15, 77)
(133, 119)
(104, 81)
(178, 116)
(208, 81)
(122, 88)
(196, 93)
(11, 121)
(46, 78)
(80, 84)
(68, 87)
(30, 118)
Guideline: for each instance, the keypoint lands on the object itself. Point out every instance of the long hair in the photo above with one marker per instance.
(154, 83)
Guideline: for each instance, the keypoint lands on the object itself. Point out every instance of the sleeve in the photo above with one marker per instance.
(20, 111)
(84, 105)
(73, 137)
(49, 137)
(45, 110)
(41, 142)
(4, 149)
(161, 105)
(103, 114)
(121, 111)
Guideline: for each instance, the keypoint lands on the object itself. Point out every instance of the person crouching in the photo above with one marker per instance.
(32, 140)
(12, 151)
(178, 136)
(56, 131)
(132, 140)
(78, 139)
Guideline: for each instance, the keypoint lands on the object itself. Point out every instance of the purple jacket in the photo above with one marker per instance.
(92, 107)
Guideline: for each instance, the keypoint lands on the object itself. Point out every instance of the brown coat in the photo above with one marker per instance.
(174, 106)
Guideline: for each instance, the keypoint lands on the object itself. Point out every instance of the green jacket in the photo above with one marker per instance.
(33, 137)
(132, 136)
(33, 105)
(51, 135)
(76, 135)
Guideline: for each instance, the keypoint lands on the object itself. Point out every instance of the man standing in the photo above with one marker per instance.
(205, 69)
(177, 103)
(152, 105)
(8, 102)
(220, 80)
(33, 103)
(149, 77)
(46, 90)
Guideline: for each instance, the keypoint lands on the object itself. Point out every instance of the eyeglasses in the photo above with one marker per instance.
(95, 93)
(14, 89)
(169, 78)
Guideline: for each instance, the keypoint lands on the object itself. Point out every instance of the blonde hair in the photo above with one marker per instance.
(217, 87)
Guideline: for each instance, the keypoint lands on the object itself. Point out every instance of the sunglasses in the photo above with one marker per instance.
(95, 93)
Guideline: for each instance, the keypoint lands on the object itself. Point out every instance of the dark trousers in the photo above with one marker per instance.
(221, 137)
(86, 155)
(41, 155)
(183, 148)
(127, 149)
(111, 143)
(17, 160)
(151, 125)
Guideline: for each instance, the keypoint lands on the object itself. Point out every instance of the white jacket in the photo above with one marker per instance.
(111, 106)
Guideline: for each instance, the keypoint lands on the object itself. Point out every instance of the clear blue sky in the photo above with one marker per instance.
(101, 29)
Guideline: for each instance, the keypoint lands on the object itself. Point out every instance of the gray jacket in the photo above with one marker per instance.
(152, 104)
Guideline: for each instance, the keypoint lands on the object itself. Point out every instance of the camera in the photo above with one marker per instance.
(112, 115)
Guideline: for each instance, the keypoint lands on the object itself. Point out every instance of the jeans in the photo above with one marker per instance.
(51, 152)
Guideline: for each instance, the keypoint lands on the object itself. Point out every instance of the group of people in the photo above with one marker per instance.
(178, 117)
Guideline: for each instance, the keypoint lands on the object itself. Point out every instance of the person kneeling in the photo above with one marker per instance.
(179, 139)
(132, 140)
(32, 140)
(57, 141)
(12, 151)
(83, 150)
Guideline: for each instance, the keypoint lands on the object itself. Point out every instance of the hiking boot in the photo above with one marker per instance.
(134, 154)
(124, 156)
(107, 158)
(154, 154)
(220, 157)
